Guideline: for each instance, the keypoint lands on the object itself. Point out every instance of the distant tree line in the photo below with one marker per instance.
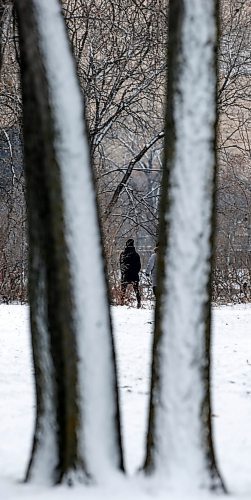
(119, 49)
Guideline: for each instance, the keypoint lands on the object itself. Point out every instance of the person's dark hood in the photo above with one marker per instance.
(130, 243)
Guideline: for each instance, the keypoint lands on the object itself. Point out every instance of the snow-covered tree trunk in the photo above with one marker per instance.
(180, 444)
(77, 426)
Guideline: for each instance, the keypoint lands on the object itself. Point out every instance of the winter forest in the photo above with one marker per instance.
(125, 124)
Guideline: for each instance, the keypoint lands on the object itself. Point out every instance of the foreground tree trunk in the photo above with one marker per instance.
(180, 439)
(77, 425)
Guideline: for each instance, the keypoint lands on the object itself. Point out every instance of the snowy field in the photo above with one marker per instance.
(133, 338)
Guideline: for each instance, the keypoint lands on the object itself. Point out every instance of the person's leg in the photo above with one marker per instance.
(136, 289)
(122, 292)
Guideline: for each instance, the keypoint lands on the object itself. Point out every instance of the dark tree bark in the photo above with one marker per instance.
(180, 432)
(64, 320)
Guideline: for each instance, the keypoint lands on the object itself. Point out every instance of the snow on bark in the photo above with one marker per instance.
(179, 440)
(96, 377)
(98, 437)
(44, 454)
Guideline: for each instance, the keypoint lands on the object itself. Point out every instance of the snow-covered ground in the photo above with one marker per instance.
(133, 337)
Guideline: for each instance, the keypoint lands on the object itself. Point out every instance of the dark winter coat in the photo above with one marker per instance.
(130, 265)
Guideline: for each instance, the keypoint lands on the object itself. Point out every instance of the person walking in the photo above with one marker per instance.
(151, 269)
(130, 266)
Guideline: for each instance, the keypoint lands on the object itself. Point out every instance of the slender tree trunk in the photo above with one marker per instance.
(2, 8)
(121, 186)
(180, 436)
(77, 430)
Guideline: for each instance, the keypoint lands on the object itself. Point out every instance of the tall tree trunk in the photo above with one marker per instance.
(180, 436)
(77, 430)
(2, 9)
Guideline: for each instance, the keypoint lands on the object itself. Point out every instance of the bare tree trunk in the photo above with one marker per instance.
(2, 8)
(119, 189)
(180, 443)
(77, 426)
